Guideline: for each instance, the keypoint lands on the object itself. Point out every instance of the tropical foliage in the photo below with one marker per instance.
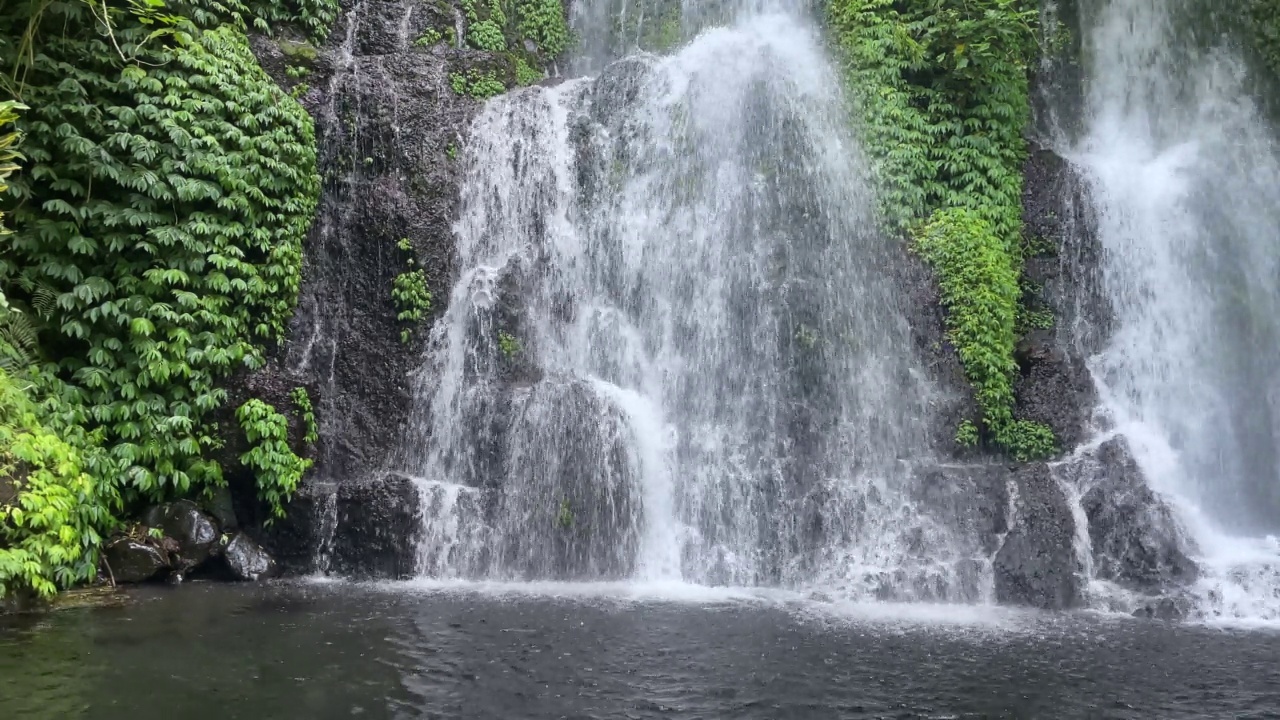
(943, 90)
(155, 249)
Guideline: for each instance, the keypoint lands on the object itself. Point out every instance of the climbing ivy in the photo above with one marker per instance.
(302, 403)
(410, 293)
(943, 90)
(313, 17)
(277, 469)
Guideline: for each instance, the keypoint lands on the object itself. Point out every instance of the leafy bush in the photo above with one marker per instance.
(277, 469)
(53, 513)
(543, 21)
(487, 35)
(168, 221)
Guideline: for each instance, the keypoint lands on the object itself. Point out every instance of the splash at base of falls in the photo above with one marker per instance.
(675, 352)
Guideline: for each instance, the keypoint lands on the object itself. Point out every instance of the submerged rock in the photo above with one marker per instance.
(247, 560)
(1172, 609)
(1037, 563)
(196, 533)
(134, 561)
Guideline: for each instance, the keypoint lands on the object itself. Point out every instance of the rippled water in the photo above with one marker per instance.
(612, 651)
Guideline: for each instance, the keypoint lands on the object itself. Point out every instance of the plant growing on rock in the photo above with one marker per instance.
(564, 518)
(509, 345)
(943, 88)
(410, 293)
(302, 403)
(277, 469)
(156, 249)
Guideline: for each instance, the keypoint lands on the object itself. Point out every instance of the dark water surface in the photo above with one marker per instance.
(339, 651)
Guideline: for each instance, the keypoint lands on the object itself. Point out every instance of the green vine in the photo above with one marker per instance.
(410, 293)
(277, 469)
(943, 88)
(302, 403)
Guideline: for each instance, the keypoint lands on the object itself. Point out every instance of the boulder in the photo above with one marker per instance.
(196, 533)
(135, 561)
(1037, 563)
(247, 560)
(1137, 541)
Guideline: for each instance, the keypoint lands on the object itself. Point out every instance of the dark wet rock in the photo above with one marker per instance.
(1064, 273)
(1137, 541)
(378, 522)
(971, 499)
(296, 539)
(135, 561)
(1171, 609)
(1037, 563)
(195, 532)
(222, 508)
(247, 560)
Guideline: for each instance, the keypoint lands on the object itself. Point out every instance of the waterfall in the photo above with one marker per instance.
(1185, 176)
(675, 350)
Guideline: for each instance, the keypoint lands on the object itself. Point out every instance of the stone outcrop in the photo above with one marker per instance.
(1136, 539)
(1037, 564)
(376, 524)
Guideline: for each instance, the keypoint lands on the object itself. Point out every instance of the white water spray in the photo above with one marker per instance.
(1185, 175)
(675, 352)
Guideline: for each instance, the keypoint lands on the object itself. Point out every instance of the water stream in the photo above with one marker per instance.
(675, 350)
(1185, 176)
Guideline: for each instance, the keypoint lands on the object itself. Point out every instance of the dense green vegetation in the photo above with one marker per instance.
(156, 248)
(522, 36)
(1263, 17)
(943, 89)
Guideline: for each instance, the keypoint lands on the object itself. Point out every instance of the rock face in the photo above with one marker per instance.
(134, 561)
(1136, 539)
(196, 534)
(1053, 385)
(247, 560)
(377, 524)
(1036, 565)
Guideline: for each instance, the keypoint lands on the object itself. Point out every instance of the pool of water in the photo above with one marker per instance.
(336, 650)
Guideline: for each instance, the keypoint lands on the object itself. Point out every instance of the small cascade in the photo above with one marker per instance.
(674, 350)
(1185, 176)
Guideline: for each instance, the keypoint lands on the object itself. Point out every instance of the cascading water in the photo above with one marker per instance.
(1185, 176)
(675, 351)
